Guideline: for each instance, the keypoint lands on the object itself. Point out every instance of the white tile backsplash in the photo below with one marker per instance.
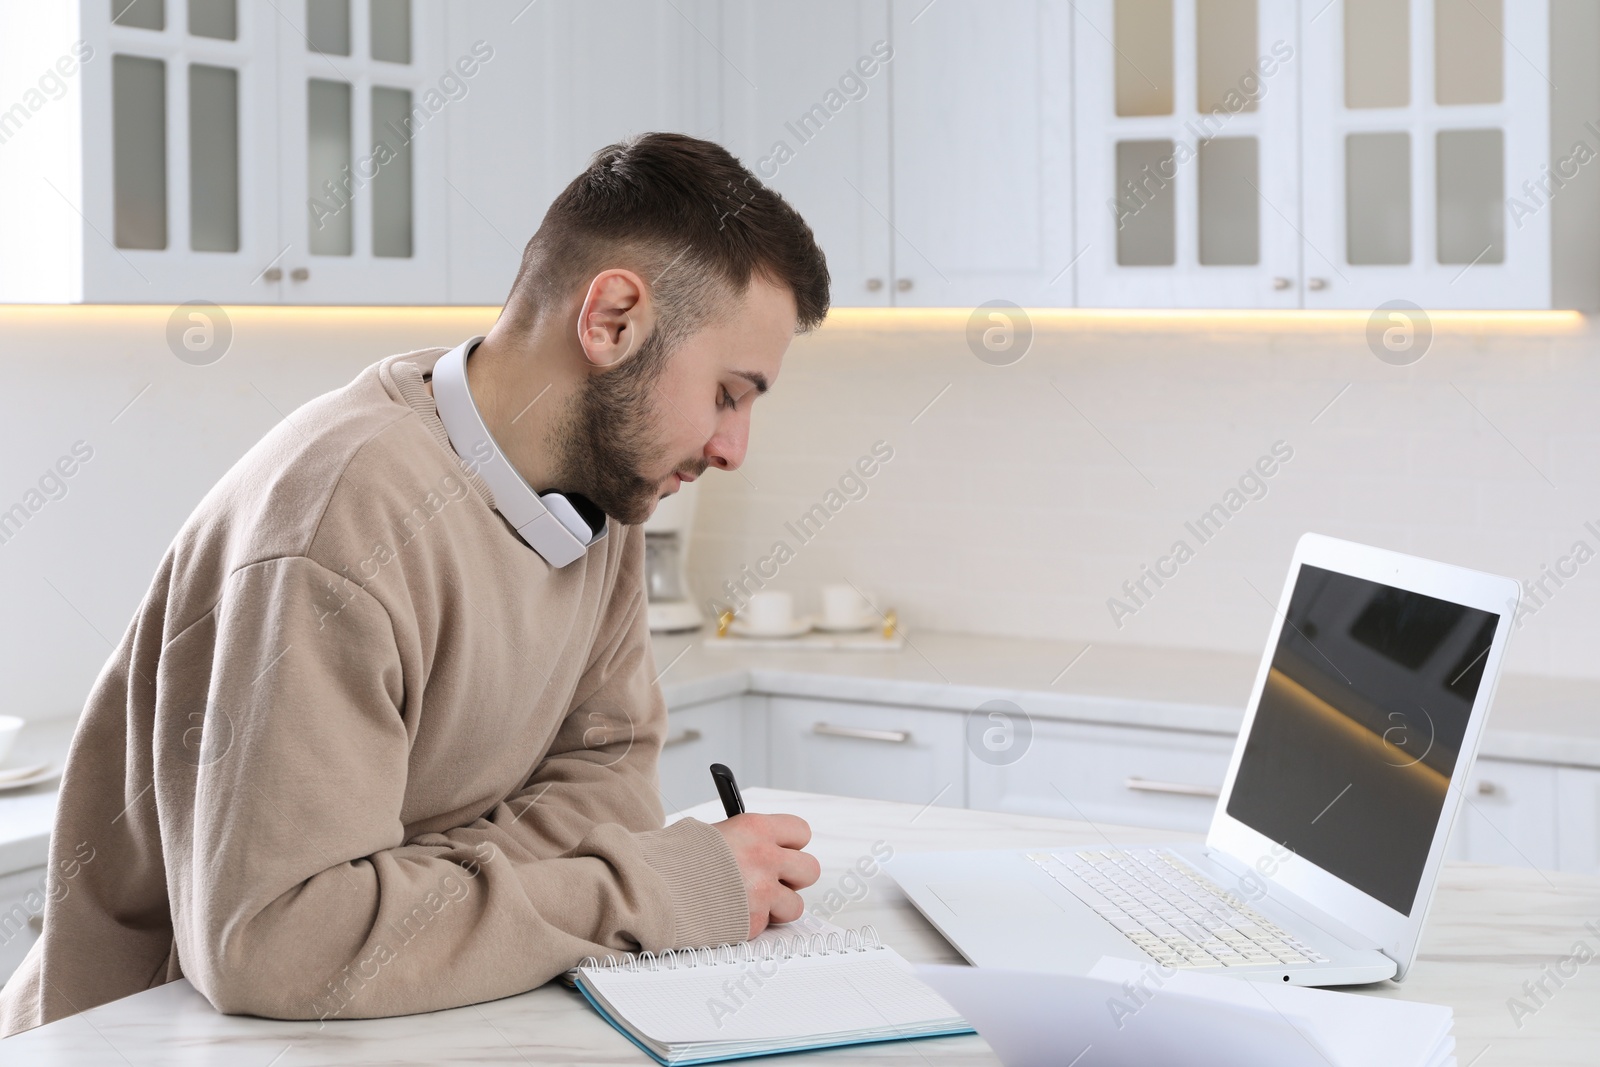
(1023, 498)
(1003, 511)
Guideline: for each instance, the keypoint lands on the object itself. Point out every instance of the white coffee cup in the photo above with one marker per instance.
(769, 611)
(843, 606)
(10, 726)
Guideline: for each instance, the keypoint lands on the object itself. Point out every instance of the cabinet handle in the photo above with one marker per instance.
(1317, 284)
(272, 274)
(1145, 785)
(874, 284)
(903, 285)
(300, 274)
(893, 737)
(682, 737)
(1487, 789)
(1280, 282)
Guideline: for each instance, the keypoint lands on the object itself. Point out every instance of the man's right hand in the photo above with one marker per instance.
(767, 849)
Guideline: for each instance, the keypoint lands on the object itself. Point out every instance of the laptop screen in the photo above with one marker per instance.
(1361, 719)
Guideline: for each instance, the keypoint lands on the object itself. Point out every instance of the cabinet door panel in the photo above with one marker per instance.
(1187, 154)
(1578, 819)
(1114, 774)
(22, 900)
(867, 750)
(361, 157)
(1450, 92)
(982, 154)
(206, 159)
(1507, 816)
(808, 113)
(697, 737)
(568, 78)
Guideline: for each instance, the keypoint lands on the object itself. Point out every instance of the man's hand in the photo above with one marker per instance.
(767, 848)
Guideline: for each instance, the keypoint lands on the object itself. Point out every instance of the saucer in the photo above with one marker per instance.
(866, 622)
(796, 628)
(42, 772)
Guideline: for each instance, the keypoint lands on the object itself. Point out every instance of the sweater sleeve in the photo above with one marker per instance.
(294, 891)
(602, 767)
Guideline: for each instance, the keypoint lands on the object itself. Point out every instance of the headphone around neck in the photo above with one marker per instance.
(560, 528)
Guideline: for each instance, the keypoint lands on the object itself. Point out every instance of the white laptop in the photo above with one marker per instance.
(1322, 855)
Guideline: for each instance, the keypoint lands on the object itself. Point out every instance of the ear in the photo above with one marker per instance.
(616, 317)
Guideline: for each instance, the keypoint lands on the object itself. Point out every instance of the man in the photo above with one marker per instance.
(366, 751)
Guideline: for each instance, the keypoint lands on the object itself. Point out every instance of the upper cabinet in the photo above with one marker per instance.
(1100, 153)
(1422, 119)
(232, 152)
(1245, 153)
(1188, 153)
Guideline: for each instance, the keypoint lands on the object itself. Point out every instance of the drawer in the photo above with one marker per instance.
(697, 737)
(1167, 779)
(1578, 819)
(22, 897)
(1507, 816)
(881, 752)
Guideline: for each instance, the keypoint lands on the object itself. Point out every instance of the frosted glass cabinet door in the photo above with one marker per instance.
(365, 94)
(180, 137)
(1425, 140)
(1186, 153)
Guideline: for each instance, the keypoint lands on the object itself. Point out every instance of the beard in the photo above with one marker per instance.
(608, 437)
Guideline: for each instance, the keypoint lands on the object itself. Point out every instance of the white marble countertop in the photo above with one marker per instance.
(1491, 930)
(1547, 720)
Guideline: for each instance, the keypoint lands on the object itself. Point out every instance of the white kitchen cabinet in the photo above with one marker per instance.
(364, 92)
(1168, 779)
(567, 78)
(806, 94)
(1187, 153)
(1238, 153)
(22, 900)
(193, 141)
(1422, 120)
(1578, 819)
(882, 752)
(982, 154)
(698, 735)
(1507, 816)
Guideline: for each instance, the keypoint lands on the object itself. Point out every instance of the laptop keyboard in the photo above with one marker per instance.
(1176, 915)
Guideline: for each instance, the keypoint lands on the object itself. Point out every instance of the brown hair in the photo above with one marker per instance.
(689, 218)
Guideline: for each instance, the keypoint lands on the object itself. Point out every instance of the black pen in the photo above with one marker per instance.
(728, 789)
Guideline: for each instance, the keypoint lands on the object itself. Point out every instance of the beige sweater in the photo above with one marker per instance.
(362, 752)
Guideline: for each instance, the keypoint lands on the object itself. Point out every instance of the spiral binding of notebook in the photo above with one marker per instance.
(777, 993)
(789, 947)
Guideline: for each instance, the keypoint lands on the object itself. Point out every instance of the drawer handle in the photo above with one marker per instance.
(893, 737)
(1145, 785)
(682, 737)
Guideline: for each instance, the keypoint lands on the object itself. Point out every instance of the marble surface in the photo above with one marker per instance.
(1491, 929)
(1548, 720)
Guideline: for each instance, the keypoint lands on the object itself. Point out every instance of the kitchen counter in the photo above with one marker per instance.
(1545, 720)
(1491, 930)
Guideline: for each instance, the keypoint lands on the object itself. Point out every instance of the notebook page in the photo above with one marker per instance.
(795, 998)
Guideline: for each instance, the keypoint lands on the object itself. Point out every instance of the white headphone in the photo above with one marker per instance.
(552, 525)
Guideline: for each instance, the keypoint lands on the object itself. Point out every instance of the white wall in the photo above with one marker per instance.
(1003, 510)
(71, 578)
(1007, 511)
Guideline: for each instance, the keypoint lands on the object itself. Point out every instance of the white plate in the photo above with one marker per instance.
(796, 628)
(44, 774)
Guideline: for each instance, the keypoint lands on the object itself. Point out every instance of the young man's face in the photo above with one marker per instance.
(636, 438)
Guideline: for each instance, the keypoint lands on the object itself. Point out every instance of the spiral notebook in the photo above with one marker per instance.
(811, 988)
